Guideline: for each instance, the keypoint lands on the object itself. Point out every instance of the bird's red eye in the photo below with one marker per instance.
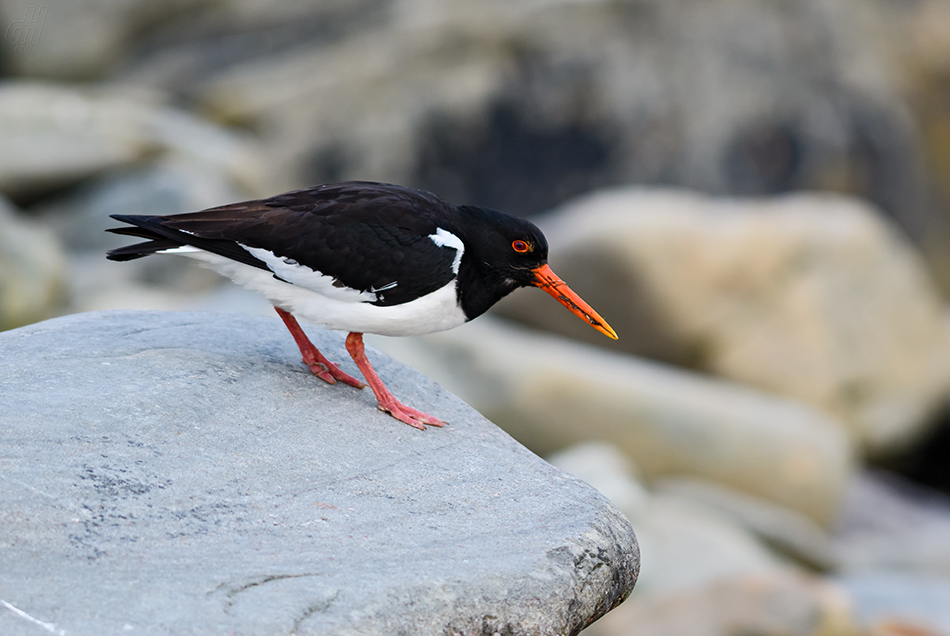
(520, 246)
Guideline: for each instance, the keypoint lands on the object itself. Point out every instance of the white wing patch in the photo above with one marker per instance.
(391, 285)
(444, 238)
(181, 249)
(289, 270)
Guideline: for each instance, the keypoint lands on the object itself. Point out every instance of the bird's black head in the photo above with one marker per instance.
(503, 248)
(503, 253)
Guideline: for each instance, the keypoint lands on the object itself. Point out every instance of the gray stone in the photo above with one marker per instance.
(184, 473)
(606, 468)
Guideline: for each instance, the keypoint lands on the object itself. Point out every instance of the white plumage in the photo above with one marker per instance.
(313, 297)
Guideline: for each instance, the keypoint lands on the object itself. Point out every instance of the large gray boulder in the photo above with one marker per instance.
(184, 473)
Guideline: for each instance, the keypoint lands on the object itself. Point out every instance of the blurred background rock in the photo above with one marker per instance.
(755, 193)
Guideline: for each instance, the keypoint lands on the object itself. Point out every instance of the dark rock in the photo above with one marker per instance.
(184, 473)
(927, 463)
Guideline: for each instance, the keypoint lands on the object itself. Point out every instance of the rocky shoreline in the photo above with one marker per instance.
(753, 194)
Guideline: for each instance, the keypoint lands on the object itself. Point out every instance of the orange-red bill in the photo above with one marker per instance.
(549, 282)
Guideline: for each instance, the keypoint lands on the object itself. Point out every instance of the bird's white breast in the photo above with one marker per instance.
(345, 309)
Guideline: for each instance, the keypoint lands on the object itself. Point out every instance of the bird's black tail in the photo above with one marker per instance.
(161, 237)
(141, 227)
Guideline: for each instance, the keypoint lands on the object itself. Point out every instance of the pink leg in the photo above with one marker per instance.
(323, 368)
(387, 402)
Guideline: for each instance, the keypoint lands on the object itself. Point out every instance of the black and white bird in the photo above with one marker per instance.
(363, 257)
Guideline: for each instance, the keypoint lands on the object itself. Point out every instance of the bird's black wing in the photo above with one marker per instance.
(367, 236)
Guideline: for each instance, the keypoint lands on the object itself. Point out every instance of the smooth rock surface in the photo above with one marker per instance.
(551, 393)
(606, 468)
(184, 473)
(814, 297)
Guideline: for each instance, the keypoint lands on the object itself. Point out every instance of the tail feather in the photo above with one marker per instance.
(138, 250)
(134, 231)
(163, 238)
(156, 243)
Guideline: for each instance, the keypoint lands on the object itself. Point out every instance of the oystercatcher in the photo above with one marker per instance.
(363, 257)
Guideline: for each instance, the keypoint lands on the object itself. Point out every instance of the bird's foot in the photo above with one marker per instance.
(387, 401)
(409, 415)
(321, 372)
(329, 372)
(321, 367)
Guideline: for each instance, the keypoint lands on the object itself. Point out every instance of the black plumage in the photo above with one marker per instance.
(366, 235)
(409, 261)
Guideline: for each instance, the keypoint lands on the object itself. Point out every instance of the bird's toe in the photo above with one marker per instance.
(423, 417)
(402, 416)
(410, 416)
(321, 371)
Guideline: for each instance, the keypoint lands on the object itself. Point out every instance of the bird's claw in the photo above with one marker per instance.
(329, 372)
(410, 416)
(320, 370)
